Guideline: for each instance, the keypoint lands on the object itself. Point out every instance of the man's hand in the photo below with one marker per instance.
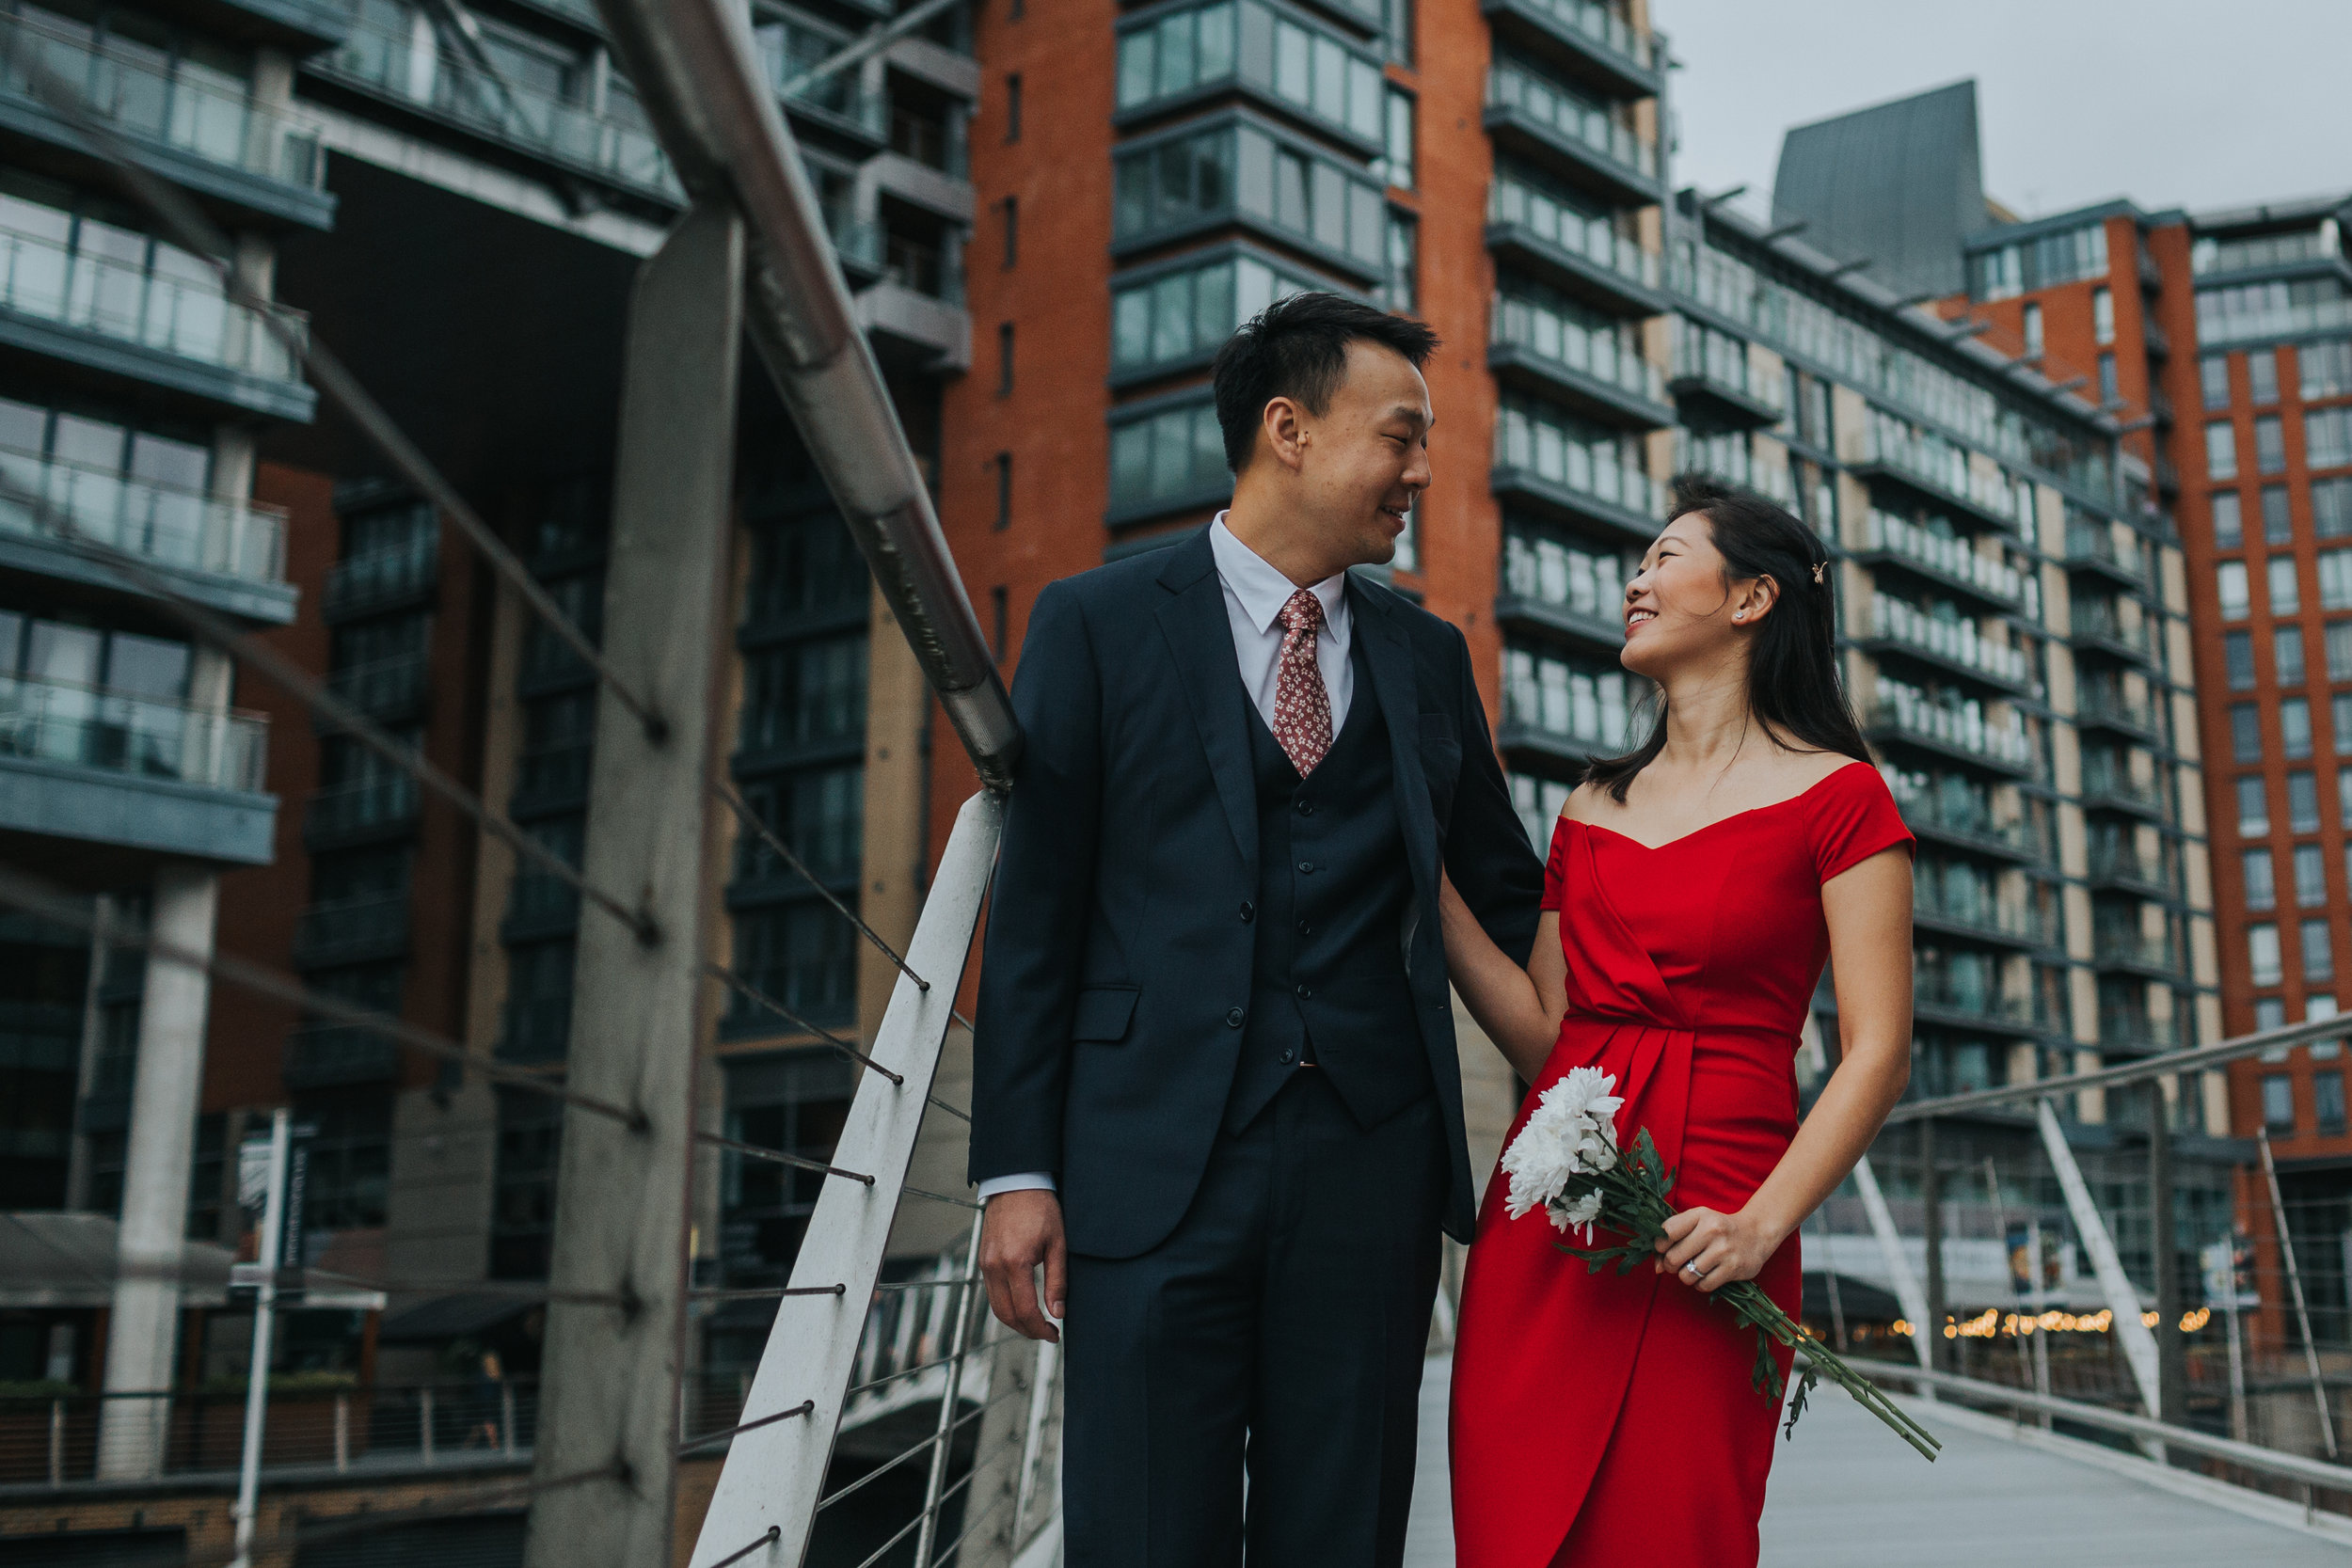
(1020, 1231)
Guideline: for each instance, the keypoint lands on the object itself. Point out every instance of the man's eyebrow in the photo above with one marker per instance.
(1407, 411)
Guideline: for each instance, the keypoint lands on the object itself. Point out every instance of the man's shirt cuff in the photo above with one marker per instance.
(1031, 1181)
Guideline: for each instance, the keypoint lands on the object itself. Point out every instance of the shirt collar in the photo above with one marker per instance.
(1264, 590)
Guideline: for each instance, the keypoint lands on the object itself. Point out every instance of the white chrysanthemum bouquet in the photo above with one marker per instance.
(1567, 1161)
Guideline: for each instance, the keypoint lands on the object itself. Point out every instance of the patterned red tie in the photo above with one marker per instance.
(1302, 708)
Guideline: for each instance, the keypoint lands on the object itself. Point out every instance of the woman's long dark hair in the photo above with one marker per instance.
(1793, 688)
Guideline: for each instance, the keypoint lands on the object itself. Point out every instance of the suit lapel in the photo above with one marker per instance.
(1201, 640)
(1390, 659)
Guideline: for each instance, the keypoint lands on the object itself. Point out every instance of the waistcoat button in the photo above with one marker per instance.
(1232, 1017)
(1306, 808)
(1248, 912)
(1306, 867)
(1305, 931)
(1289, 1057)
(1306, 993)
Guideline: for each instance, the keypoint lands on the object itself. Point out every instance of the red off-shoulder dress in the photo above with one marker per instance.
(1607, 1418)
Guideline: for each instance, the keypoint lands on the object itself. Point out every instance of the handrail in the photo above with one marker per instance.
(697, 70)
(2146, 1067)
(2251, 1456)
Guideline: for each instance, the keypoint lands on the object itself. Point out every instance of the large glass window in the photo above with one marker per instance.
(2237, 659)
(2229, 521)
(2328, 1102)
(2221, 449)
(1396, 160)
(2302, 803)
(2270, 445)
(2261, 887)
(2326, 368)
(806, 693)
(2339, 645)
(2040, 262)
(2287, 645)
(1185, 314)
(804, 567)
(2213, 378)
(2311, 876)
(1242, 169)
(2246, 732)
(2253, 807)
(2319, 959)
(2335, 581)
(818, 813)
(1553, 568)
(1281, 52)
(2332, 507)
(2230, 583)
(2327, 437)
(1169, 458)
(2278, 522)
(2262, 376)
(802, 955)
(796, 1103)
(2285, 591)
(2294, 727)
(2262, 954)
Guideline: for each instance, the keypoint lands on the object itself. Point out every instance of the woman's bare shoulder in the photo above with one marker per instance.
(1589, 802)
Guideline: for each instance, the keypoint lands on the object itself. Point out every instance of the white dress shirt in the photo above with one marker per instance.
(1255, 594)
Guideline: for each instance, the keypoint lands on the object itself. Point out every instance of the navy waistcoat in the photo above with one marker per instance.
(1328, 982)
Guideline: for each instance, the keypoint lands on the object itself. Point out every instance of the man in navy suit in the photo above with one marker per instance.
(1217, 1100)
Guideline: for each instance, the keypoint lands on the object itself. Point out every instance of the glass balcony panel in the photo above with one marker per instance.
(147, 736)
(183, 315)
(163, 523)
(198, 109)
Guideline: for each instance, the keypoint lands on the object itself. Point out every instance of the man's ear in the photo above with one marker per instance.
(1285, 427)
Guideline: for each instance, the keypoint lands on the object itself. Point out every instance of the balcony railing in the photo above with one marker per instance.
(1515, 201)
(335, 932)
(151, 737)
(2139, 1030)
(381, 577)
(321, 1055)
(2097, 706)
(1926, 809)
(135, 89)
(1946, 990)
(2102, 785)
(609, 149)
(185, 316)
(2093, 544)
(2134, 950)
(1598, 355)
(1602, 25)
(394, 685)
(1957, 643)
(1987, 917)
(364, 805)
(837, 93)
(1939, 468)
(2117, 863)
(1512, 86)
(2094, 621)
(1955, 729)
(1950, 558)
(162, 523)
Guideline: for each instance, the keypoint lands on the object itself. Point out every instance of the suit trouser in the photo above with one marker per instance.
(1281, 1325)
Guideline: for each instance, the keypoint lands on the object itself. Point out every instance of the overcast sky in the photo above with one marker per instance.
(2172, 102)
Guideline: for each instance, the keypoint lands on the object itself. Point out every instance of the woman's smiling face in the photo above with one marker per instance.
(1679, 607)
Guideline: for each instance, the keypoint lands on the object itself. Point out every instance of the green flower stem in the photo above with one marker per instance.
(1635, 1204)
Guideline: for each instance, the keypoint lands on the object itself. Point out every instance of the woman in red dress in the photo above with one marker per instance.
(1698, 884)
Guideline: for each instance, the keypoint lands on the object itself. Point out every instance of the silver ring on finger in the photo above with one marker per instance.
(1693, 1270)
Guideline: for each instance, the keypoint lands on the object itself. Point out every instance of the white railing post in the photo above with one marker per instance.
(342, 1433)
(424, 1423)
(1907, 1290)
(2139, 1346)
(774, 1473)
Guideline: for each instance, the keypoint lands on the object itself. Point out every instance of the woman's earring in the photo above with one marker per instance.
(1738, 614)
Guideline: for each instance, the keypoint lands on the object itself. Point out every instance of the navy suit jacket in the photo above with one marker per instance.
(1116, 945)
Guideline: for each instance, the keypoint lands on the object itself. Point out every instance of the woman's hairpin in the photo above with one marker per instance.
(1817, 572)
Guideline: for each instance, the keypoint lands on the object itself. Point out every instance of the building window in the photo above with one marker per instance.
(796, 1104)
(1314, 70)
(2246, 732)
(1397, 162)
(2269, 1012)
(2327, 437)
(2335, 582)
(2103, 315)
(522, 1197)
(2221, 449)
(2262, 954)
(1185, 314)
(349, 1179)
(819, 814)
(2033, 331)
(2319, 959)
(2328, 1102)
(2294, 728)
(2278, 1102)
(1002, 464)
(2302, 803)
(2110, 389)
(2286, 597)
(2326, 368)
(1400, 282)
(1012, 208)
(2253, 807)
(1012, 107)
(805, 694)
(1004, 359)
(2212, 373)
(803, 955)
(2288, 644)
(2332, 507)
(2262, 376)
(2262, 888)
(2278, 522)
(1167, 460)
(1240, 169)
(2311, 876)
(2237, 658)
(2270, 445)
(2338, 638)
(2340, 726)
(2229, 532)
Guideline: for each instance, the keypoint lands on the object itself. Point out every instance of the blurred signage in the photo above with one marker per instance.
(2230, 1272)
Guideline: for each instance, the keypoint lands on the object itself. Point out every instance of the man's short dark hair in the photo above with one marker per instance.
(1296, 348)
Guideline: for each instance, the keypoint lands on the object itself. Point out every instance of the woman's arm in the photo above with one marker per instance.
(1868, 910)
(1519, 1008)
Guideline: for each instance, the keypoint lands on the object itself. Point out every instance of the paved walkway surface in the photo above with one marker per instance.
(1848, 1494)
